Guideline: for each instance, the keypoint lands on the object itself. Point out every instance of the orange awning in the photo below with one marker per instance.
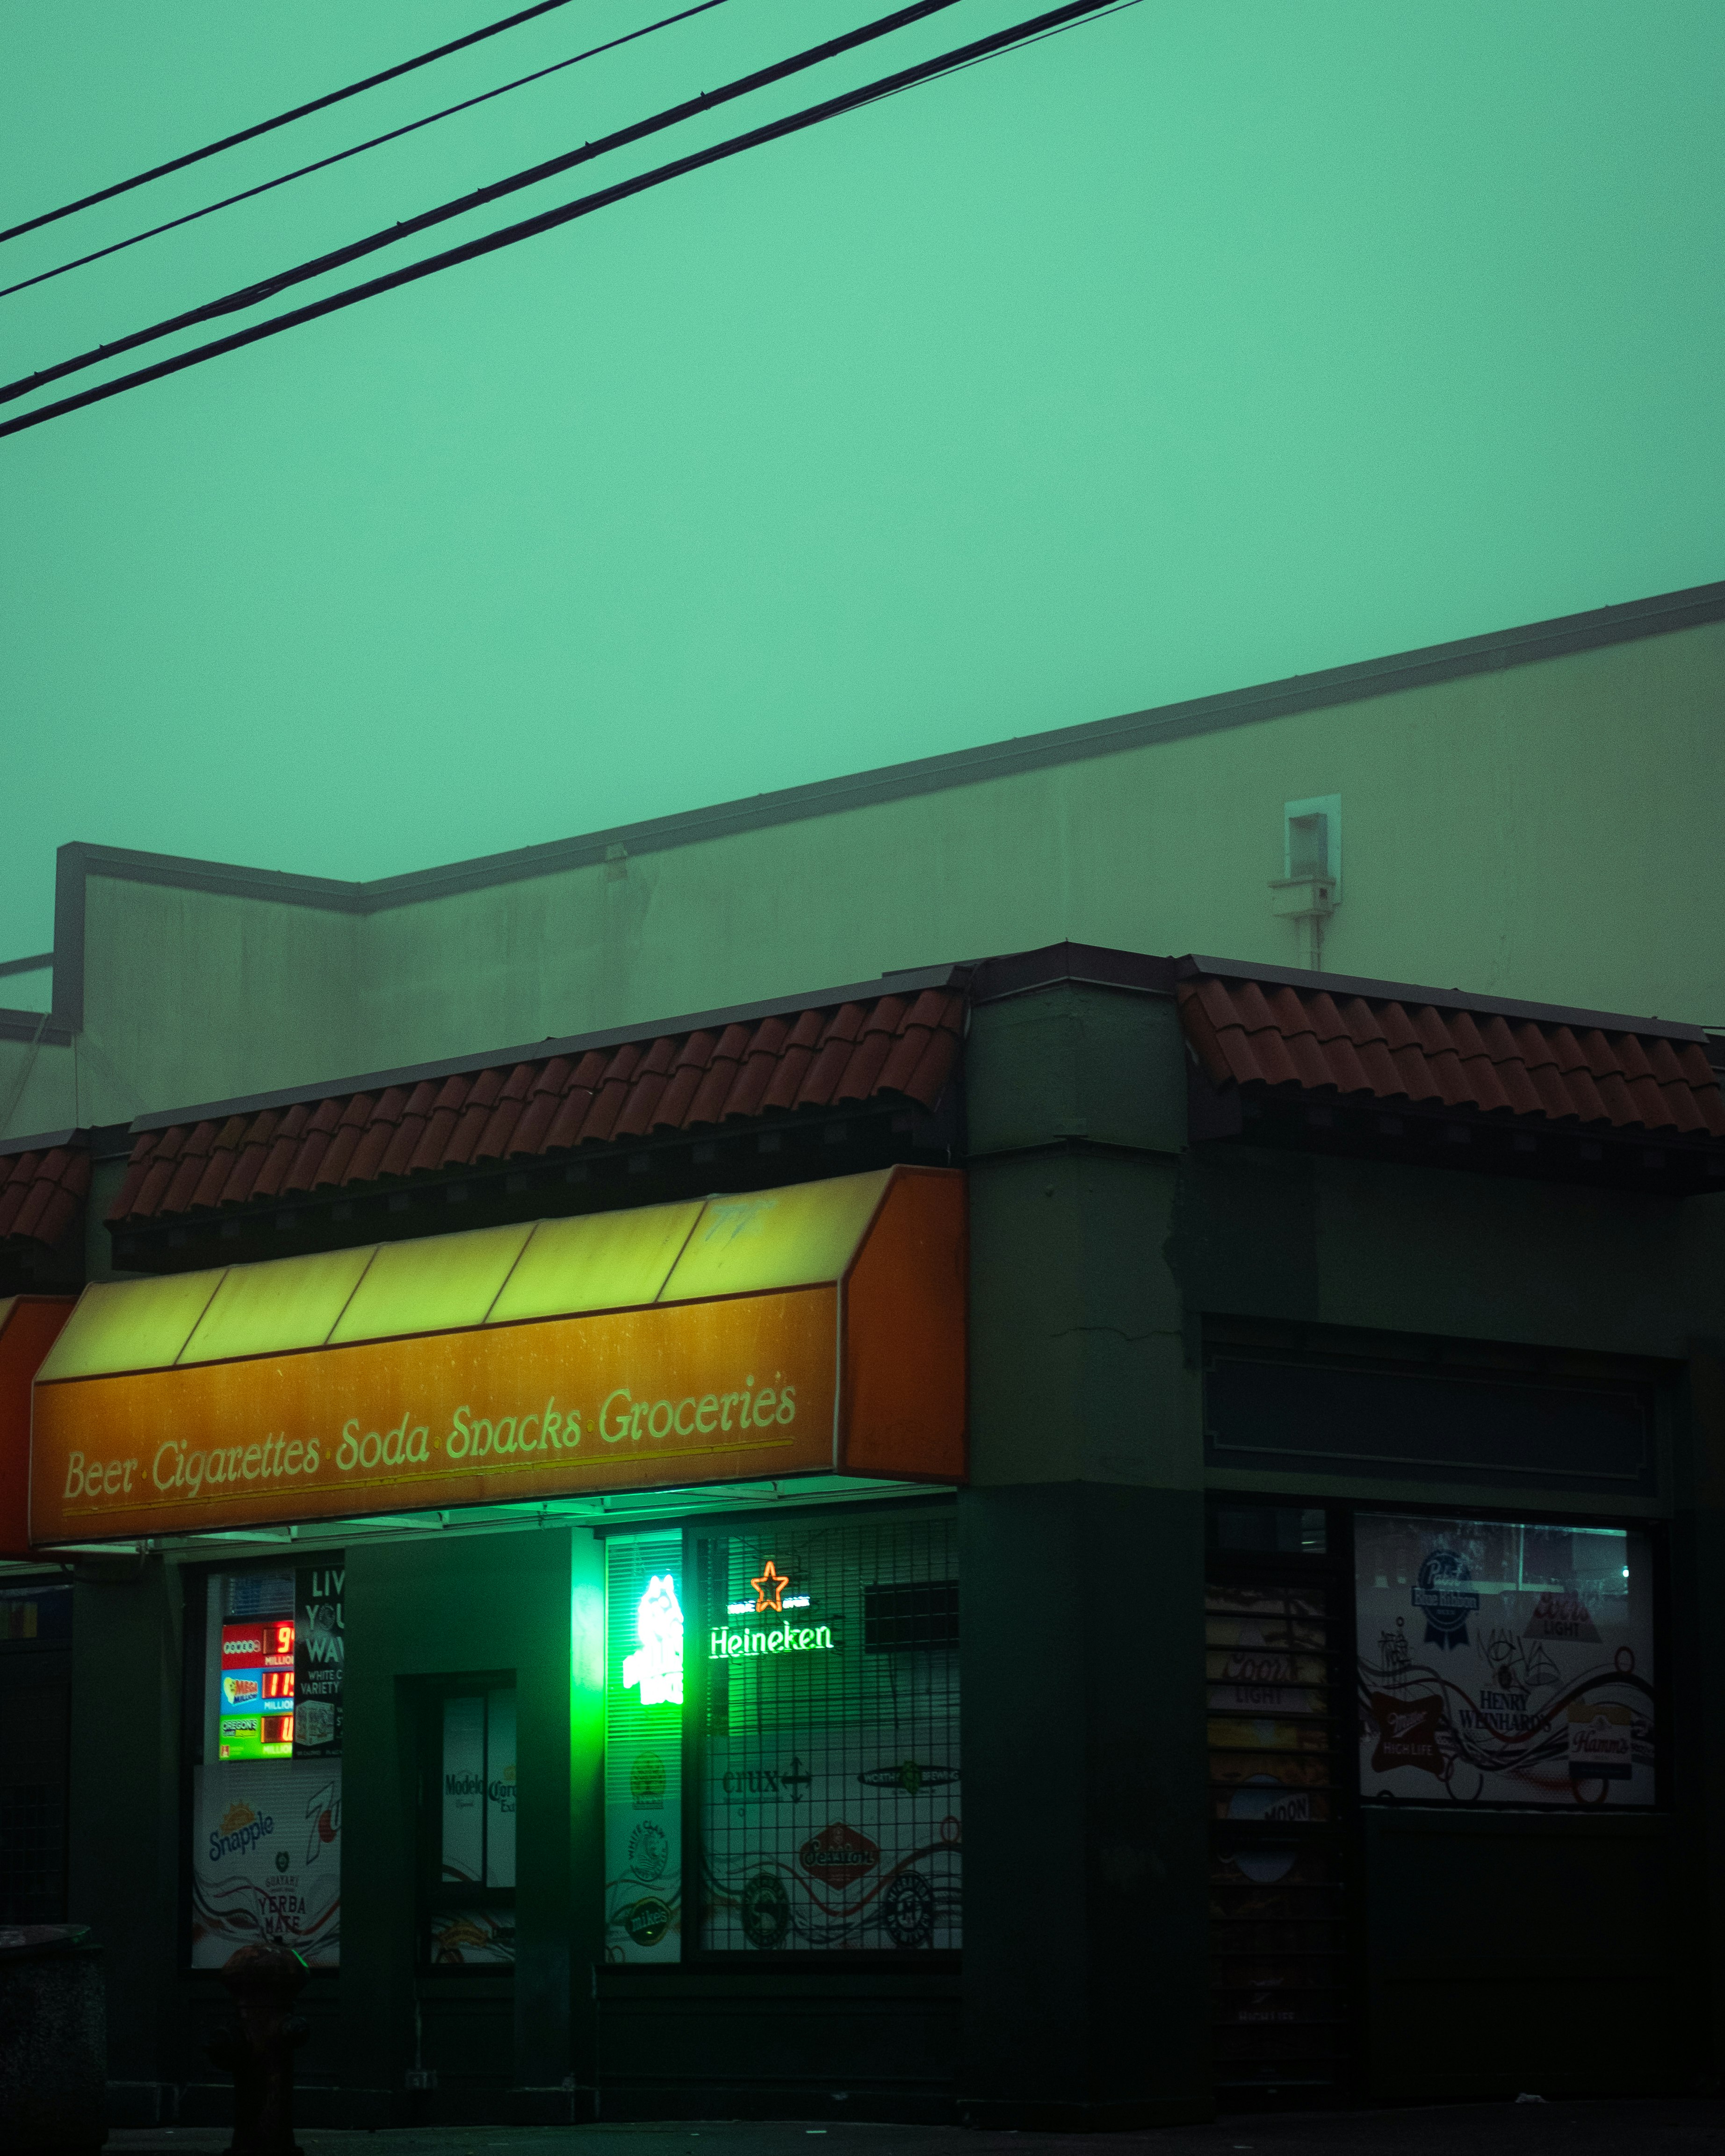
(28, 1327)
(815, 1329)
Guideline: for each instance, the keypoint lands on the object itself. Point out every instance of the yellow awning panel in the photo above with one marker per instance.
(693, 1251)
(432, 1285)
(134, 1325)
(775, 1239)
(260, 1310)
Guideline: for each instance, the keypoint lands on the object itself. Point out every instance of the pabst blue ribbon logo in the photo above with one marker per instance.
(1442, 1592)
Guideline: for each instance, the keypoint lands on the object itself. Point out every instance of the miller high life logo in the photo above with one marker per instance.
(1407, 1733)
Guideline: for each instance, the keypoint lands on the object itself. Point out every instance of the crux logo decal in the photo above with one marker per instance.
(768, 1785)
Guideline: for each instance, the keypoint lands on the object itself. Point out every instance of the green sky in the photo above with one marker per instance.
(1205, 345)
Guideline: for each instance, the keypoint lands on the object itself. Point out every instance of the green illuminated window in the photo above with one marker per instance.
(788, 1694)
(645, 1629)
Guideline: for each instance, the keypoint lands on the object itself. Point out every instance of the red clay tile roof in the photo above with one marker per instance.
(42, 1194)
(1394, 1049)
(820, 1058)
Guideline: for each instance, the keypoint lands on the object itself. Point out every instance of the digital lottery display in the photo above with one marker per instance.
(257, 1689)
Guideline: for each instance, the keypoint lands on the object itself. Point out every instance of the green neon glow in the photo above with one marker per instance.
(657, 1664)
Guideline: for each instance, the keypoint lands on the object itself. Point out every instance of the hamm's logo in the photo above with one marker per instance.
(241, 1830)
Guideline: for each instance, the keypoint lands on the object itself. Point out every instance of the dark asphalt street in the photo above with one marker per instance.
(1662, 2128)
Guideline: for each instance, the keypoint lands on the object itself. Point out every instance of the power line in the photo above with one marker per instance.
(811, 115)
(394, 134)
(265, 288)
(281, 119)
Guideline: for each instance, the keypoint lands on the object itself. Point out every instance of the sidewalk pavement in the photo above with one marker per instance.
(1674, 2126)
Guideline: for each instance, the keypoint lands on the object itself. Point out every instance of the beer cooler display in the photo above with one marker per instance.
(1276, 1627)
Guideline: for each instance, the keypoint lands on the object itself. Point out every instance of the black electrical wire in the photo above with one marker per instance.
(281, 119)
(338, 157)
(252, 294)
(962, 56)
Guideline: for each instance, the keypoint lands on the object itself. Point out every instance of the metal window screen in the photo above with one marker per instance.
(828, 1773)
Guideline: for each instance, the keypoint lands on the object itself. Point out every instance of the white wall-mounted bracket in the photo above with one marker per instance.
(1309, 888)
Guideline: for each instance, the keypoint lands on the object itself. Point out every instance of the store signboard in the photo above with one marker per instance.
(695, 1393)
(266, 1859)
(812, 1329)
(1504, 1662)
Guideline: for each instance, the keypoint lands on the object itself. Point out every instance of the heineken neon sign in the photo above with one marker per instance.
(786, 1639)
(725, 1645)
(656, 1665)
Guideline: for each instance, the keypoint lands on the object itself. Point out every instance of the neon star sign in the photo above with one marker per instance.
(769, 1589)
(656, 1665)
(770, 1595)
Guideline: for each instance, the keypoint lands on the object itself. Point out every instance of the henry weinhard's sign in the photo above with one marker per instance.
(689, 1392)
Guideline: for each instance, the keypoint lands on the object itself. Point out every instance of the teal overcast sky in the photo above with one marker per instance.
(1206, 344)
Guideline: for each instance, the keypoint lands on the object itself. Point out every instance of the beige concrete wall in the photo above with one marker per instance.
(191, 996)
(1545, 831)
(39, 1088)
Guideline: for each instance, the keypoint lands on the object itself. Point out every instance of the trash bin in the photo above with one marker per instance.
(53, 2041)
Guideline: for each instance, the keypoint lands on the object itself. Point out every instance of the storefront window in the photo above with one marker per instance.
(804, 1682)
(1276, 1640)
(829, 1796)
(469, 1896)
(266, 1848)
(1501, 1663)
